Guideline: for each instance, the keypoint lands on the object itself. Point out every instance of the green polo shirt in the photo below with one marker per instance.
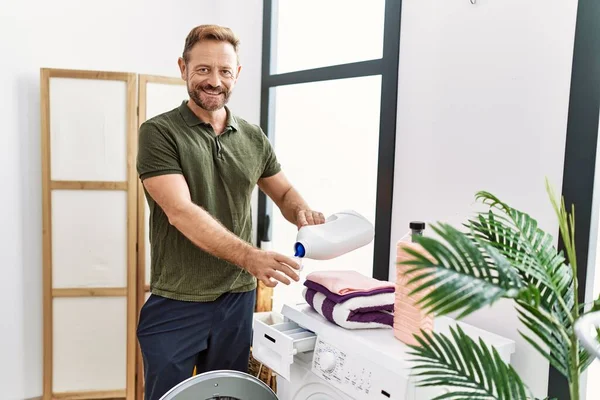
(221, 172)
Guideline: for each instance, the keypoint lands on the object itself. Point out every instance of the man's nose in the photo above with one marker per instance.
(214, 79)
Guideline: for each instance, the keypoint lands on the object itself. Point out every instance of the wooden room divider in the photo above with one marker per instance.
(96, 255)
(89, 186)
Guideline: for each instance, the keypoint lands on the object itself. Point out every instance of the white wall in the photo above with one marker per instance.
(133, 36)
(483, 103)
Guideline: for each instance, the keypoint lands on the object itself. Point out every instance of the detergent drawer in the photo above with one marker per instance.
(277, 339)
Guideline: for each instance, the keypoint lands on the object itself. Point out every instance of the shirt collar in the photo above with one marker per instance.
(192, 120)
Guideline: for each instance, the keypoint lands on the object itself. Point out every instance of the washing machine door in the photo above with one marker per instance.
(319, 391)
(221, 385)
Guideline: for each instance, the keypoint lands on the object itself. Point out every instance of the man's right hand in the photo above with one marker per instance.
(268, 265)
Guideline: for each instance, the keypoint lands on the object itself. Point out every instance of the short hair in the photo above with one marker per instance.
(210, 32)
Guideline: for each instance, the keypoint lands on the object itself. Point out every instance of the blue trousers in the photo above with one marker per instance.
(176, 336)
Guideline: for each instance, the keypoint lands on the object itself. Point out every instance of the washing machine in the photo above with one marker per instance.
(315, 359)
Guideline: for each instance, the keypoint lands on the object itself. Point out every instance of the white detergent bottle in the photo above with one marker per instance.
(341, 233)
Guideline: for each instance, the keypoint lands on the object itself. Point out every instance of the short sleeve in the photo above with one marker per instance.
(157, 153)
(272, 165)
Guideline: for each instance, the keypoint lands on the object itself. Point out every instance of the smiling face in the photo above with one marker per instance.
(210, 69)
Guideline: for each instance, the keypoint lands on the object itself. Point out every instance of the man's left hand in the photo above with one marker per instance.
(309, 217)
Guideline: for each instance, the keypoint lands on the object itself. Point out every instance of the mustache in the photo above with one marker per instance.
(210, 88)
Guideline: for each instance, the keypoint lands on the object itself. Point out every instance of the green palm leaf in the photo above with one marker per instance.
(474, 369)
(467, 274)
(503, 254)
(529, 249)
(531, 252)
(550, 331)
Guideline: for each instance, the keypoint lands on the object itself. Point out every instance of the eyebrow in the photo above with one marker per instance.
(208, 66)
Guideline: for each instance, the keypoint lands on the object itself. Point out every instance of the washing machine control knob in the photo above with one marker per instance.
(328, 361)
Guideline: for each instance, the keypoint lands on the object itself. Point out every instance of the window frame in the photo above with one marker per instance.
(387, 67)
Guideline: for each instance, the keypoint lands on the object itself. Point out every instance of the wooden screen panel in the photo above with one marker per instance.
(90, 341)
(90, 238)
(88, 129)
(89, 189)
(164, 95)
(156, 94)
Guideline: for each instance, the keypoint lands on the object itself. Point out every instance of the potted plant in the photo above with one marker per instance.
(501, 253)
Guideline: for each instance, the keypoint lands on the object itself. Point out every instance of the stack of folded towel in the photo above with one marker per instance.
(350, 299)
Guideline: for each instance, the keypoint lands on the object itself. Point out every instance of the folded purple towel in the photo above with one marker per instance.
(337, 298)
(375, 311)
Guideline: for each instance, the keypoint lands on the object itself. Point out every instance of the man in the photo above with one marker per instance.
(199, 164)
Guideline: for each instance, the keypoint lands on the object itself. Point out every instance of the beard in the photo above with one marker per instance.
(208, 97)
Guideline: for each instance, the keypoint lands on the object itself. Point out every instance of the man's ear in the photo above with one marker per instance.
(237, 75)
(182, 66)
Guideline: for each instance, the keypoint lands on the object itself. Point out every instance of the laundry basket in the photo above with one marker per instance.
(262, 372)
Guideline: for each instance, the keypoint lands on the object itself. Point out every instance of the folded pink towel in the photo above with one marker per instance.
(345, 282)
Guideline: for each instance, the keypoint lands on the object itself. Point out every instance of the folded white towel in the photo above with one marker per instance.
(375, 311)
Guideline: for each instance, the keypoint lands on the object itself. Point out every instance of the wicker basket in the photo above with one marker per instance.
(262, 372)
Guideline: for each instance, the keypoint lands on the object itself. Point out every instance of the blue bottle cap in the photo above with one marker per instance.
(300, 251)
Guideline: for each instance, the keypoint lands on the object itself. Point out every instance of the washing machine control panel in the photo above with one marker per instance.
(357, 376)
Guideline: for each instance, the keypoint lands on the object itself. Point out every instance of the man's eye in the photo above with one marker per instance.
(203, 70)
(227, 73)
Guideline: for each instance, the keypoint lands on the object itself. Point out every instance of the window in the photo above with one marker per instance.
(331, 157)
(316, 33)
(327, 69)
